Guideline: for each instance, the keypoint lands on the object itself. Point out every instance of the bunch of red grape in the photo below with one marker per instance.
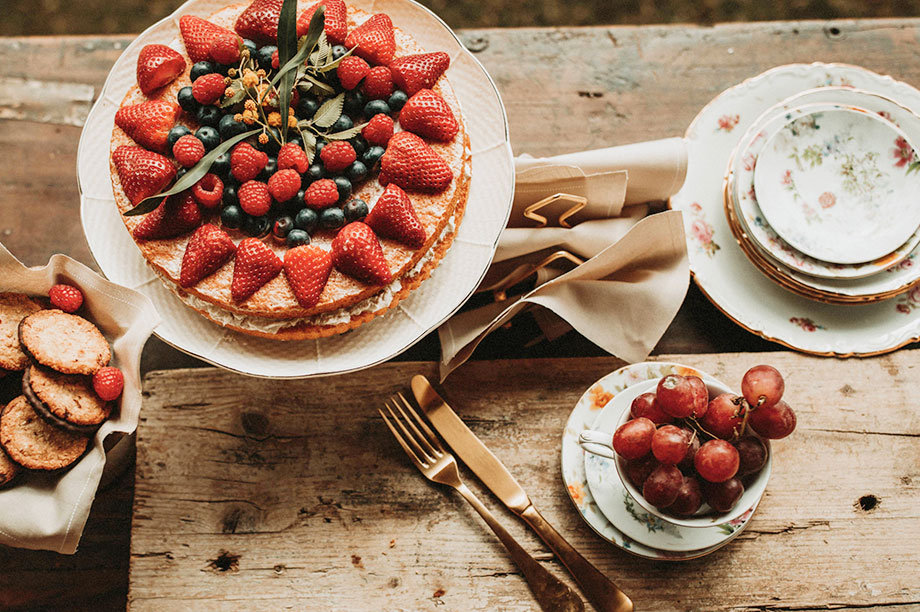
(662, 446)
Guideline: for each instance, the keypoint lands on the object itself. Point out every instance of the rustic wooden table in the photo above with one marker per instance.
(565, 89)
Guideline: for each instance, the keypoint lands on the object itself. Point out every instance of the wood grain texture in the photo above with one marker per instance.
(293, 495)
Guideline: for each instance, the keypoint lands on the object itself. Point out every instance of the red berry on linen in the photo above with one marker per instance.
(66, 297)
(108, 383)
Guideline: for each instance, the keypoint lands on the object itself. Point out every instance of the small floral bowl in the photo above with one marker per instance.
(617, 412)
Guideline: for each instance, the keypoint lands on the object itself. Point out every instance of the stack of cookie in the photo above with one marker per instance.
(67, 390)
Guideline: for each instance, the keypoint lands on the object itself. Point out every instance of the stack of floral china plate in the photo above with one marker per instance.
(802, 207)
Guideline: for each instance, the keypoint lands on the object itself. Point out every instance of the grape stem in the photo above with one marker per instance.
(744, 405)
(700, 428)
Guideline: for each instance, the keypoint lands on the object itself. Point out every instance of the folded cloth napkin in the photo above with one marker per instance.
(635, 274)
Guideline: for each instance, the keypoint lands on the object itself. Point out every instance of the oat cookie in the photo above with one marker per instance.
(8, 469)
(66, 400)
(34, 443)
(64, 342)
(14, 307)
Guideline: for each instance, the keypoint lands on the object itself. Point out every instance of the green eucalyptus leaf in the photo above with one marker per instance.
(329, 112)
(346, 134)
(239, 94)
(287, 48)
(306, 45)
(318, 85)
(191, 177)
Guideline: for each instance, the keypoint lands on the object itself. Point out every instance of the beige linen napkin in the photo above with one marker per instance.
(636, 272)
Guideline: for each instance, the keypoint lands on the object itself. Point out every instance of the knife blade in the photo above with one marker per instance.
(603, 593)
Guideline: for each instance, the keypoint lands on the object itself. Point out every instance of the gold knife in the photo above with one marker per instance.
(605, 595)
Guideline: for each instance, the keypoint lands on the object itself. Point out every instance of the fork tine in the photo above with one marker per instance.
(409, 438)
(429, 439)
(418, 463)
(431, 436)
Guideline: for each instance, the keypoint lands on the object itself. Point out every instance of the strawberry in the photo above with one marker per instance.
(321, 194)
(198, 34)
(378, 130)
(208, 88)
(225, 48)
(255, 198)
(351, 70)
(378, 84)
(256, 264)
(188, 150)
(413, 165)
(284, 185)
(246, 162)
(293, 156)
(142, 173)
(414, 72)
(307, 269)
(259, 22)
(158, 66)
(148, 123)
(335, 21)
(208, 249)
(394, 217)
(337, 155)
(208, 191)
(66, 297)
(175, 216)
(374, 39)
(357, 253)
(108, 383)
(427, 114)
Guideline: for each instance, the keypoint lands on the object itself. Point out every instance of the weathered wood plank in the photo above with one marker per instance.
(291, 495)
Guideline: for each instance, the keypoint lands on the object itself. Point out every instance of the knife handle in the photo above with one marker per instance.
(599, 590)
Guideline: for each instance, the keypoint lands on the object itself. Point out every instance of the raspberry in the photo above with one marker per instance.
(108, 383)
(378, 130)
(188, 150)
(337, 155)
(378, 84)
(209, 88)
(284, 185)
(208, 191)
(66, 297)
(351, 70)
(246, 162)
(276, 60)
(321, 194)
(255, 198)
(293, 156)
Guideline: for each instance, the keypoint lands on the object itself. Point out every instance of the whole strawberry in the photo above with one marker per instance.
(427, 114)
(158, 66)
(256, 264)
(66, 297)
(335, 20)
(108, 382)
(414, 72)
(142, 173)
(148, 123)
(374, 40)
(259, 22)
(307, 269)
(393, 217)
(410, 163)
(337, 155)
(208, 249)
(357, 253)
(176, 215)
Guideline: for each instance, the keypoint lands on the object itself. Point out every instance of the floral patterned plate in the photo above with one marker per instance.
(719, 266)
(825, 183)
(667, 540)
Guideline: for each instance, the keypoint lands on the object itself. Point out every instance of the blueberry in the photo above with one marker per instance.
(208, 115)
(315, 172)
(225, 68)
(306, 220)
(332, 218)
(230, 196)
(202, 68)
(355, 209)
(307, 107)
(342, 123)
(372, 156)
(270, 168)
(357, 171)
(208, 137)
(359, 144)
(319, 147)
(180, 173)
(295, 139)
(375, 107)
(252, 46)
(264, 56)
(176, 133)
(354, 102)
(344, 187)
(397, 100)
(231, 216)
(256, 227)
(282, 226)
(338, 51)
(230, 127)
(271, 147)
(297, 237)
(186, 100)
(221, 165)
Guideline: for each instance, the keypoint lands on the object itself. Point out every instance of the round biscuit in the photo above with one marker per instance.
(14, 307)
(69, 399)
(64, 342)
(34, 443)
(8, 469)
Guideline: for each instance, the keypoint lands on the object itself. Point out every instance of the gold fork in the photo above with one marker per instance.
(438, 465)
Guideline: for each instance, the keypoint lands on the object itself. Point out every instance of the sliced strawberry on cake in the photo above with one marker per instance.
(374, 39)
(175, 216)
(148, 123)
(428, 115)
(198, 34)
(393, 217)
(158, 66)
(421, 71)
(335, 20)
(208, 249)
(259, 22)
(307, 269)
(413, 165)
(142, 173)
(357, 253)
(256, 264)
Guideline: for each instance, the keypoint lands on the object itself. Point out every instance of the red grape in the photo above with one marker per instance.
(638, 470)
(686, 466)
(700, 396)
(689, 498)
(633, 439)
(716, 461)
(670, 444)
(762, 386)
(774, 422)
(645, 406)
(675, 396)
(723, 418)
(752, 454)
(722, 496)
(662, 485)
